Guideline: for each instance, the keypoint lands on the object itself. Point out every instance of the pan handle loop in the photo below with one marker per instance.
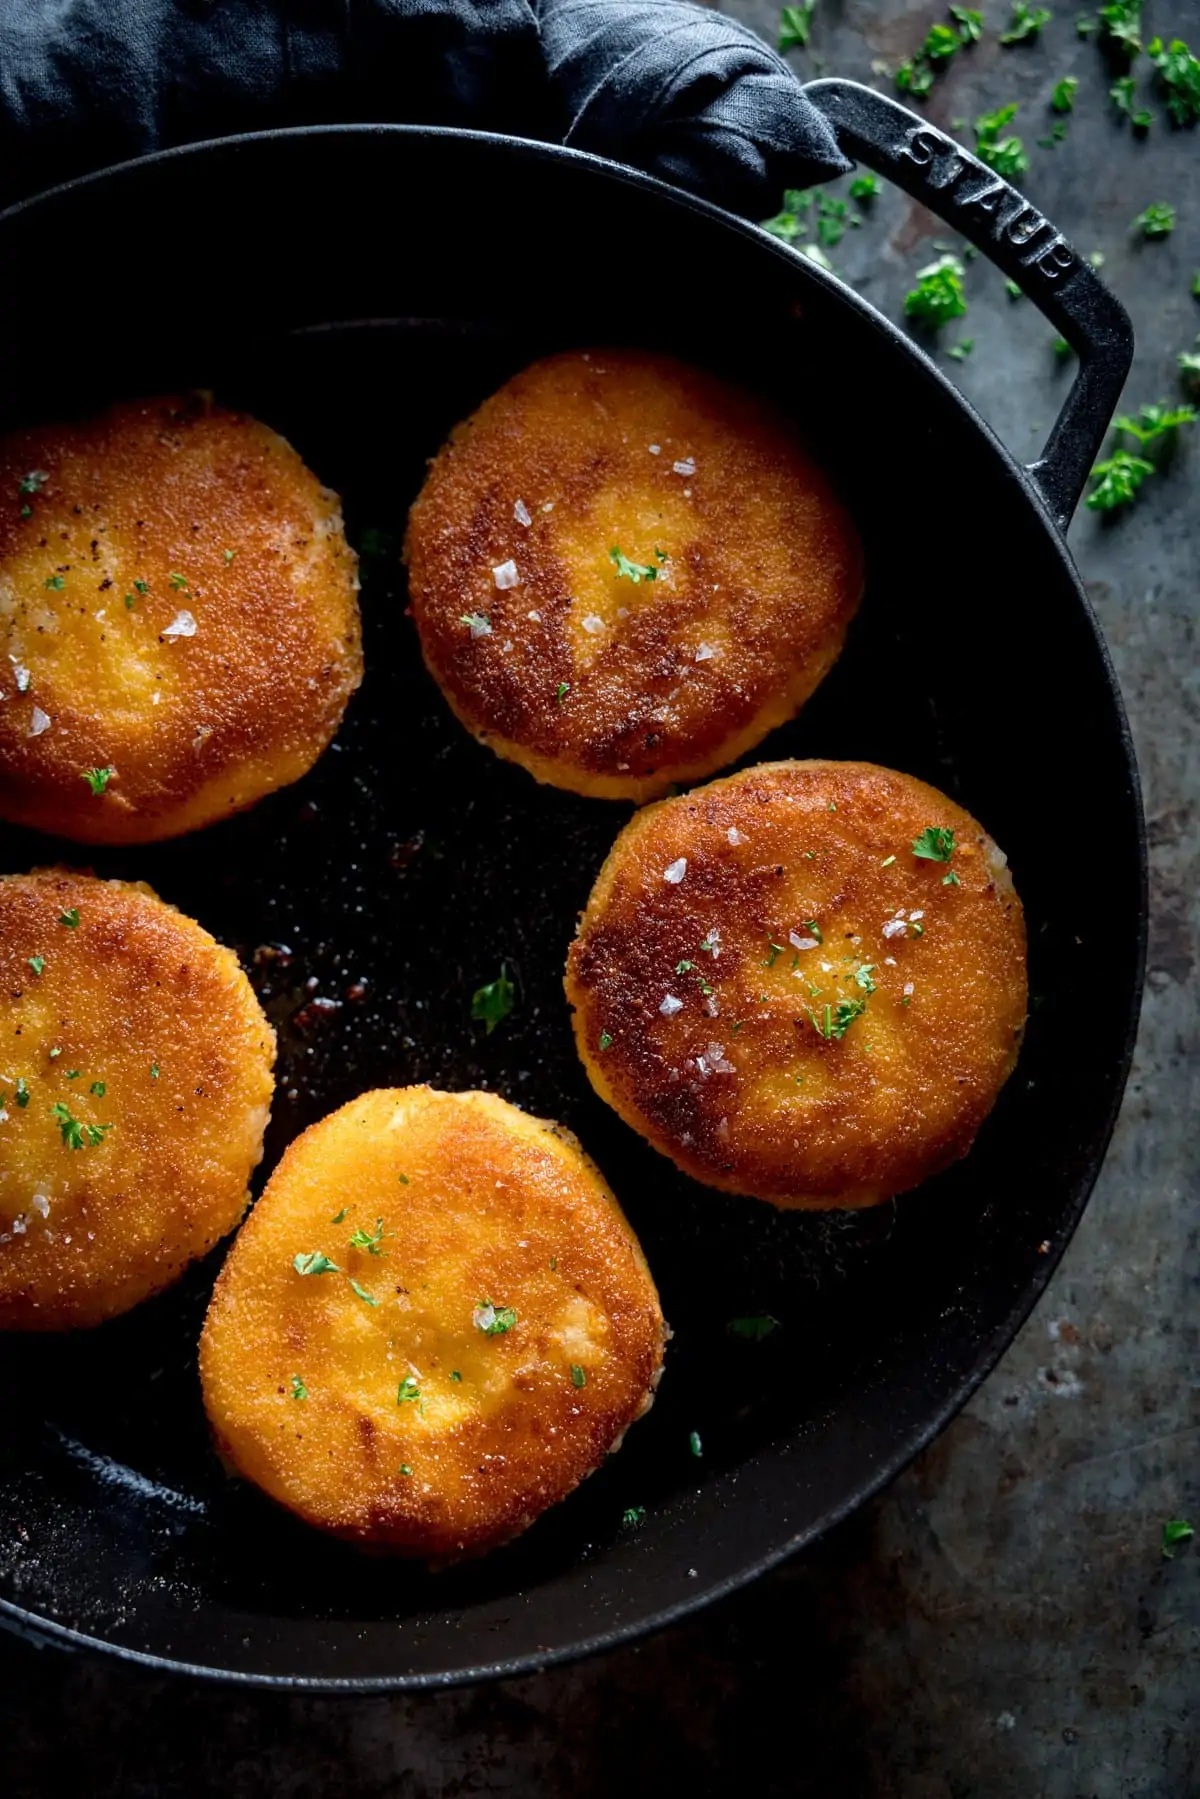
(1014, 235)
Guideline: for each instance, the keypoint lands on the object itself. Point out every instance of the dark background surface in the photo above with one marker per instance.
(1000, 1621)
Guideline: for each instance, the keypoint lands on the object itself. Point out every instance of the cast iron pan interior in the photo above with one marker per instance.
(362, 290)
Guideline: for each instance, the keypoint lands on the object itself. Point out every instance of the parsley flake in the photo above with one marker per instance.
(951, 880)
(228, 556)
(363, 1294)
(406, 1470)
(33, 482)
(22, 1092)
(694, 1443)
(938, 296)
(863, 975)
(935, 844)
(154, 1071)
(478, 623)
(635, 571)
(605, 1040)
(813, 929)
(970, 23)
(1118, 480)
(70, 918)
(561, 692)
(98, 1088)
(178, 582)
(37, 963)
(795, 23)
(493, 1321)
(753, 1329)
(1122, 23)
(1179, 75)
(339, 1218)
(632, 1516)
(493, 1003)
(1004, 154)
(1157, 221)
(1121, 95)
(314, 1262)
(865, 187)
(55, 582)
(1025, 23)
(959, 352)
(407, 1390)
(75, 1134)
(455, 1375)
(299, 1390)
(371, 1241)
(835, 1020)
(1175, 1531)
(142, 587)
(578, 1375)
(98, 778)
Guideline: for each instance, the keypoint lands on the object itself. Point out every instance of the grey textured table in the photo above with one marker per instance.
(1000, 1622)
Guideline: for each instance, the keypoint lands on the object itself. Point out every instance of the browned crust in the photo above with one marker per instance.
(763, 567)
(495, 1205)
(134, 986)
(801, 1119)
(196, 727)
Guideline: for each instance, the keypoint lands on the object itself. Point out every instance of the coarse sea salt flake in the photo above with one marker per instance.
(182, 625)
(686, 467)
(895, 927)
(535, 616)
(39, 722)
(704, 652)
(735, 836)
(592, 623)
(798, 942)
(908, 987)
(675, 872)
(23, 677)
(654, 449)
(505, 575)
(41, 1205)
(522, 513)
(915, 916)
(670, 1005)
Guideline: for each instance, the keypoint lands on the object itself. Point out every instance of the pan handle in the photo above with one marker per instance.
(1013, 234)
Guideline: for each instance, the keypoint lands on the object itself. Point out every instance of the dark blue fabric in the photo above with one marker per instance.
(672, 88)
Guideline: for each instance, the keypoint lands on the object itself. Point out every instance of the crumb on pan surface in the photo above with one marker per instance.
(772, 985)
(135, 1084)
(179, 630)
(434, 1324)
(625, 571)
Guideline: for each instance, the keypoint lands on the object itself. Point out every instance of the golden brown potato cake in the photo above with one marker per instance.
(805, 982)
(625, 572)
(135, 1082)
(434, 1324)
(179, 626)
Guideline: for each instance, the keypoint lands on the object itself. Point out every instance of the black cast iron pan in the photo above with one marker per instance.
(362, 289)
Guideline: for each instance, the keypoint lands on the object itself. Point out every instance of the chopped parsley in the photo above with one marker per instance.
(938, 296)
(561, 692)
(98, 1088)
(1121, 95)
(1157, 221)
(1179, 74)
(694, 1443)
(407, 1390)
(403, 1179)
(960, 352)
(371, 1241)
(75, 1134)
(493, 1321)
(1062, 348)
(684, 967)
(795, 23)
(1196, 285)
(33, 482)
(1025, 23)
(914, 77)
(314, 1262)
(636, 571)
(1155, 423)
(835, 1020)
(1013, 290)
(941, 43)
(1063, 97)
(632, 1516)
(753, 1329)
(340, 1216)
(363, 1294)
(865, 187)
(22, 1092)
(37, 963)
(1122, 23)
(154, 1071)
(1175, 1531)
(299, 1390)
(711, 945)
(1004, 154)
(228, 556)
(492, 1003)
(130, 602)
(578, 1375)
(98, 778)
(833, 217)
(951, 880)
(455, 1375)
(788, 225)
(776, 950)
(142, 587)
(605, 1040)
(1118, 480)
(969, 22)
(406, 1470)
(70, 918)
(178, 582)
(863, 975)
(935, 844)
(55, 582)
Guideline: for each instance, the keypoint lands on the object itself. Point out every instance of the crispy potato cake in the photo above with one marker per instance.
(625, 572)
(805, 982)
(179, 627)
(434, 1324)
(135, 1082)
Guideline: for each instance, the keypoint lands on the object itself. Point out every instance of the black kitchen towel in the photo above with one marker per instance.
(676, 89)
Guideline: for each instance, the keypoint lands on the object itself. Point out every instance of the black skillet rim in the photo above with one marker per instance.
(45, 1632)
